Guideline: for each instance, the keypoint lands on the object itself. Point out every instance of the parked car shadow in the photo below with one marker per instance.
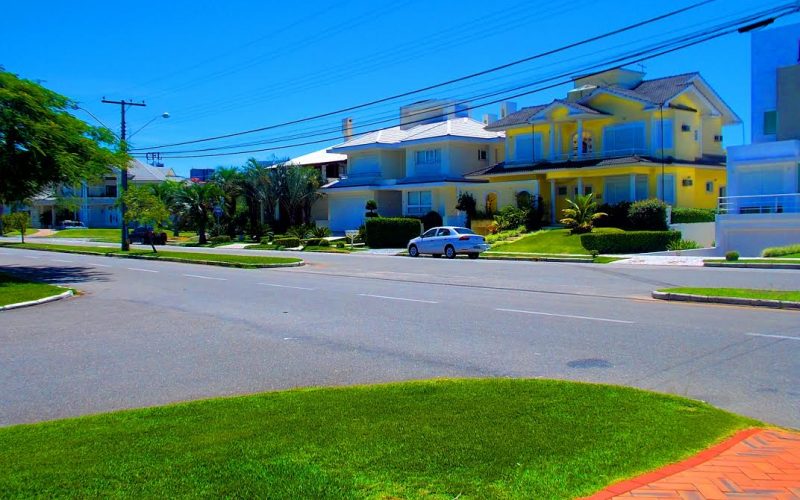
(56, 275)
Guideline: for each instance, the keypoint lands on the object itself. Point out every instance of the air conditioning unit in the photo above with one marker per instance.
(687, 182)
(717, 138)
(686, 128)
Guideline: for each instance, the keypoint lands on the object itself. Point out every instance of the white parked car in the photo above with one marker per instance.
(448, 241)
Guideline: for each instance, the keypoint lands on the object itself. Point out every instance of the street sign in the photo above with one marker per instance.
(217, 211)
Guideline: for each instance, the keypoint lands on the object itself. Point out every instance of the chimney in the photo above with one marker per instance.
(507, 108)
(489, 118)
(347, 128)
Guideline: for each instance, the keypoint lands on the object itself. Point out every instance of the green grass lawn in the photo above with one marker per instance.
(14, 290)
(747, 293)
(103, 235)
(28, 231)
(469, 439)
(243, 260)
(550, 241)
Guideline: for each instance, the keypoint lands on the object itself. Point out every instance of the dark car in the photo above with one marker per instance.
(146, 236)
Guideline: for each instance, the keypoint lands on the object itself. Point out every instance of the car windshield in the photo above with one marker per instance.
(464, 230)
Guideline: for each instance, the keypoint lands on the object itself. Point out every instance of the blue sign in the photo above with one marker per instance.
(217, 211)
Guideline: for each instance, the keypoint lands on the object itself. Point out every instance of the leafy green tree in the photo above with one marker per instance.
(144, 207)
(42, 144)
(231, 181)
(168, 192)
(196, 203)
(581, 214)
(17, 221)
(371, 206)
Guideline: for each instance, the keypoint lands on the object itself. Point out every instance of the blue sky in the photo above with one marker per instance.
(221, 67)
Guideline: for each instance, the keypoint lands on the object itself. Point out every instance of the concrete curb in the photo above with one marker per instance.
(753, 265)
(167, 259)
(45, 300)
(537, 259)
(738, 301)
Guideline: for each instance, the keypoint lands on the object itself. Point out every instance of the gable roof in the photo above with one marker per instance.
(141, 172)
(453, 129)
(316, 158)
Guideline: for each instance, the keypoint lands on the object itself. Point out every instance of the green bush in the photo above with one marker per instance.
(683, 245)
(391, 232)
(431, 219)
(339, 244)
(692, 215)
(324, 243)
(648, 215)
(630, 242)
(504, 235)
(218, 240)
(732, 256)
(781, 251)
(616, 215)
(266, 240)
(510, 218)
(288, 241)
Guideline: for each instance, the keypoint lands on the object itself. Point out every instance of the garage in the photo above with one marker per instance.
(346, 212)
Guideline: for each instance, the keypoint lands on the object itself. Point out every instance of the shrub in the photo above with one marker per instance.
(371, 206)
(288, 241)
(324, 243)
(683, 245)
(781, 251)
(510, 218)
(648, 215)
(431, 219)
(534, 218)
(630, 242)
(581, 214)
(391, 232)
(339, 244)
(266, 240)
(692, 215)
(218, 240)
(320, 232)
(732, 256)
(616, 215)
(467, 204)
(299, 232)
(504, 235)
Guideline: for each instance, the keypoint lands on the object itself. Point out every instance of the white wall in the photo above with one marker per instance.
(701, 232)
(766, 168)
(749, 234)
(771, 49)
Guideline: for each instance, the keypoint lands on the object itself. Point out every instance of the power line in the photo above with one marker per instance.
(448, 82)
(664, 48)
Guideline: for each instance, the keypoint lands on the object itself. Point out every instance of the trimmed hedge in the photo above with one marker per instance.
(630, 242)
(692, 215)
(648, 215)
(287, 242)
(391, 232)
(218, 240)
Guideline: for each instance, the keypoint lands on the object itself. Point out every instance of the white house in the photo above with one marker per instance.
(762, 206)
(413, 168)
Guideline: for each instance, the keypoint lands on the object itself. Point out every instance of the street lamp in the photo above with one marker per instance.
(162, 115)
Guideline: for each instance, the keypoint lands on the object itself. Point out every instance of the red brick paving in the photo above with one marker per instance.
(755, 464)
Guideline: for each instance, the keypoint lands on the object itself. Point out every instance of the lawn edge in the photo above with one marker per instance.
(627, 485)
(752, 265)
(43, 300)
(738, 301)
(239, 265)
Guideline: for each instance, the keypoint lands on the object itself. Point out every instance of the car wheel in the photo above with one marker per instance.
(413, 251)
(450, 252)
(473, 255)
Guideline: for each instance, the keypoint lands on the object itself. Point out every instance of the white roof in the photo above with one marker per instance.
(141, 172)
(454, 128)
(317, 157)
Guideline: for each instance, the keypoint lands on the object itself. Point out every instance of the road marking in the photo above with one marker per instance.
(140, 269)
(98, 265)
(397, 298)
(285, 286)
(31, 257)
(784, 337)
(589, 318)
(62, 260)
(204, 277)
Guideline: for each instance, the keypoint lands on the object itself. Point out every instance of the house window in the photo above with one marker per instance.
(419, 202)
(587, 190)
(624, 139)
(482, 154)
(668, 132)
(527, 147)
(562, 190)
(491, 203)
(586, 147)
(428, 157)
(710, 187)
(770, 122)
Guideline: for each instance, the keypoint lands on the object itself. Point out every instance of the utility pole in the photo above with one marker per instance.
(124, 173)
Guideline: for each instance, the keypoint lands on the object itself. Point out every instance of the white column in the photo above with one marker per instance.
(552, 201)
(580, 138)
(632, 193)
(552, 154)
(580, 186)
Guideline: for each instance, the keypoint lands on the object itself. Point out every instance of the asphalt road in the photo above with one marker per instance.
(148, 333)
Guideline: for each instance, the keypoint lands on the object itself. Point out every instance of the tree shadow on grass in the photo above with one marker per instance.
(56, 275)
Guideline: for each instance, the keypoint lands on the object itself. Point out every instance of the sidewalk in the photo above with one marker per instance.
(754, 464)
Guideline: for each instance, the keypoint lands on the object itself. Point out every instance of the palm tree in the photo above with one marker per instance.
(302, 185)
(231, 182)
(167, 192)
(260, 193)
(196, 202)
(581, 214)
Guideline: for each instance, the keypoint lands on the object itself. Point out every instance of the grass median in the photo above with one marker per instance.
(245, 261)
(745, 293)
(499, 438)
(15, 290)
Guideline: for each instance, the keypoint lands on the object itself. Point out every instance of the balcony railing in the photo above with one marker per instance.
(760, 204)
(573, 156)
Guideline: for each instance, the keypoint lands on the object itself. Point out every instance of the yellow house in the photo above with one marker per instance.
(618, 136)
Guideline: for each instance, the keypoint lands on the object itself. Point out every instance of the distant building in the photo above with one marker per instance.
(201, 174)
(762, 206)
